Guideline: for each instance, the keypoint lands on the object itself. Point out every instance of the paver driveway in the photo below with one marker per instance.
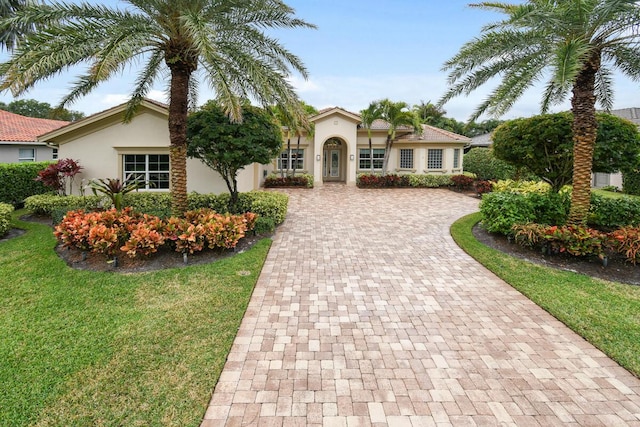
(367, 314)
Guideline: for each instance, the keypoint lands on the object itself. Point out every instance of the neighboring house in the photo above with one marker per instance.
(18, 135)
(480, 141)
(615, 179)
(336, 152)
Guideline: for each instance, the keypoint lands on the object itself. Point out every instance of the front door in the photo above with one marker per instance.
(331, 165)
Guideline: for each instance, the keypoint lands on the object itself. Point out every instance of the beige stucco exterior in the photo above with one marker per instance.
(331, 154)
(336, 124)
(99, 143)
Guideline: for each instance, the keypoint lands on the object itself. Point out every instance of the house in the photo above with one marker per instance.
(18, 136)
(336, 152)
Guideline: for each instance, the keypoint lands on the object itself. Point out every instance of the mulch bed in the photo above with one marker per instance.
(161, 260)
(617, 269)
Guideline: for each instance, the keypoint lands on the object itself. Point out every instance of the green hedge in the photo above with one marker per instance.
(631, 182)
(369, 180)
(485, 166)
(17, 181)
(5, 217)
(267, 204)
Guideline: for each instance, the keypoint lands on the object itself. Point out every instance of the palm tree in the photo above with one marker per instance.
(286, 120)
(304, 125)
(575, 44)
(9, 34)
(369, 115)
(222, 38)
(396, 114)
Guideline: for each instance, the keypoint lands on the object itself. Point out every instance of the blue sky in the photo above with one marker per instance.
(363, 50)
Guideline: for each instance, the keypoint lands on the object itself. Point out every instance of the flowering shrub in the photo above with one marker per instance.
(5, 218)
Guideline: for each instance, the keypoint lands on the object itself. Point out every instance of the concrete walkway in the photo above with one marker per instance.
(367, 314)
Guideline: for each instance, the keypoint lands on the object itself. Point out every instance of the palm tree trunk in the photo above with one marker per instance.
(585, 131)
(178, 110)
(371, 152)
(297, 154)
(387, 153)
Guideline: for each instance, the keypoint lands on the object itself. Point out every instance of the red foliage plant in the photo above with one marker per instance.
(57, 175)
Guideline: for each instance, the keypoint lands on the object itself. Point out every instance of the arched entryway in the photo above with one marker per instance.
(334, 154)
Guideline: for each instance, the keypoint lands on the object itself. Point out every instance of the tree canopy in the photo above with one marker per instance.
(544, 145)
(227, 147)
(40, 110)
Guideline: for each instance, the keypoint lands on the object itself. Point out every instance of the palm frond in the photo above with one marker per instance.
(604, 88)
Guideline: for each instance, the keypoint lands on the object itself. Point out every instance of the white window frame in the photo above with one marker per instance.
(54, 153)
(456, 158)
(364, 155)
(406, 158)
(22, 157)
(297, 157)
(432, 162)
(146, 173)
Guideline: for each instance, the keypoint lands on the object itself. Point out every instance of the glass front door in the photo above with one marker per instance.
(331, 165)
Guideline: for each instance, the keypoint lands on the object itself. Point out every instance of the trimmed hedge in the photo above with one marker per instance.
(485, 166)
(631, 182)
(5, 218)
(17, 181)
(271, 205)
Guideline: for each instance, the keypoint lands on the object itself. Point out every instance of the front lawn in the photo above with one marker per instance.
(604, 313)
(80, 348)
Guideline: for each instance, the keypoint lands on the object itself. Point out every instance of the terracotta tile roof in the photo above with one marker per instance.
(17, 128)
(434, 134)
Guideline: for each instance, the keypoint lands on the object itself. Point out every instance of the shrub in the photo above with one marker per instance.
(501, 211)
(627, 242)
(574, 240)
(58, 176)
(268, 204)
(631, 182)
(382, 181)
(462, 182)
(429, 181)
(18, 181)
(485, 166)
(264, 225)
(610, 213)
(145, 237)
(50, 204)
(149, 202)
(302, 180)
(483, 187)
(522, 187)
(5, 218)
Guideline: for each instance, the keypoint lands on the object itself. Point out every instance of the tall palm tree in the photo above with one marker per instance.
(575, 45)
(222, 38)
(304, 125)
(396, 114)
(369, 115)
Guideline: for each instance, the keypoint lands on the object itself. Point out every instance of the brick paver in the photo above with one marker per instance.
(367, 314)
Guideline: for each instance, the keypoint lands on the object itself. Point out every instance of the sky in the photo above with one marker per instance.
(362, 51)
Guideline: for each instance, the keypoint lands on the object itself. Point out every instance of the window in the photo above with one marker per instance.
(456, 158)
(152, 168)
(54, 154)
(27, 155)
(434, 158)
(297, 160)
(364, 158)
(406, 158)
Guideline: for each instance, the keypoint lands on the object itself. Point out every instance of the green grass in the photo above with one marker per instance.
(612, 194)
(82, 348)
(607, 314)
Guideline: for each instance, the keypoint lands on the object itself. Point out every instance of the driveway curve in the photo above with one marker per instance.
(366, 313)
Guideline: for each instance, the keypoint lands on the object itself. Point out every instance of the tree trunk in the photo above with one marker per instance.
(387, 153)
(297, 154)
(585, 131)
(371, 153)
(178, 110)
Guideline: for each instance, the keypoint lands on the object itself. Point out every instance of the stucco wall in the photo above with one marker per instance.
(99, 150)
(10, 153)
